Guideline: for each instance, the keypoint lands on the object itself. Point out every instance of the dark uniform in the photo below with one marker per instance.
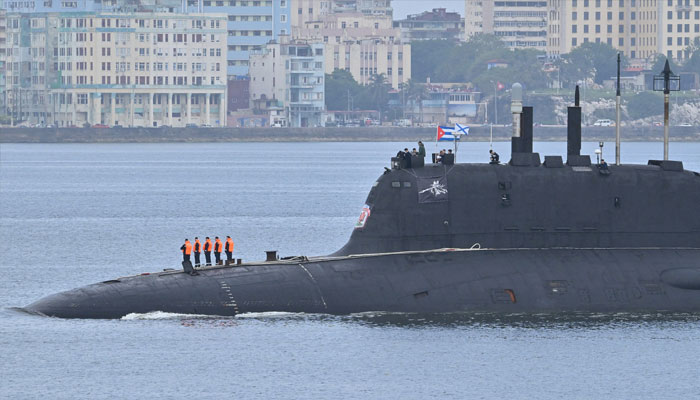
(229, 248)
(217, 250)
(207, 250)
(197, 251)
(186, 250)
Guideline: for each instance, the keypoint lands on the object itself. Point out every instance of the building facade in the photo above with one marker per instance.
(127, 69)
(437, 24)
(519, 23)
(638, 28)
(289, 75)
(364, 45)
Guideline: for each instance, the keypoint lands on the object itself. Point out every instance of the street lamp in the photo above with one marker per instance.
(666, 81)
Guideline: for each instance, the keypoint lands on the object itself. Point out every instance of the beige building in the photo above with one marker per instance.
(519, 23)
(639, 28)
(363, 44)
(136, 69)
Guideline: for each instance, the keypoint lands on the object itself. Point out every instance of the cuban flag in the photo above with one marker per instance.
(461, 130)
(446, 134)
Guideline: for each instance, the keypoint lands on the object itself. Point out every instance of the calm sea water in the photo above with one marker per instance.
(74, 214)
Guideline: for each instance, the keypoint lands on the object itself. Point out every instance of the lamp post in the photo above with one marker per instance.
(666, 81)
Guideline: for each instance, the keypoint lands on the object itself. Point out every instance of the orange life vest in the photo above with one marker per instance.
(188, 248)
(207, 245)
(197, 246)
(229, 245)
(218, 246)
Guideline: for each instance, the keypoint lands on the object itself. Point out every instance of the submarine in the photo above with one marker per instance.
(530, 236)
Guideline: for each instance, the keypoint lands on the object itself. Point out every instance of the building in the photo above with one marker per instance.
(437, 24)
(639, 28)
(289, 74)
(519, 23)
(363, 44)
(128, 69)
(3, 58)
(251, 24)
(312, 10)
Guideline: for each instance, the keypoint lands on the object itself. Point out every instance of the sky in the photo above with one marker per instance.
(405, 7)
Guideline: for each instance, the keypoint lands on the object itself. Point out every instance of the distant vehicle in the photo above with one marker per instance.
(163, 126)
(117, 126)
(206, 126)
(50, 126)
(190, 125)
(603, 122)
(403, 122)
(102, 126)
(685, 124)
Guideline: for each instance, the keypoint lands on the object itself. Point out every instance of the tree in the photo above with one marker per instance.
(644, 104)
(591, 60)
(660, 62)
(339, 85)
(378, 90)
(417, 92)
(693, 63)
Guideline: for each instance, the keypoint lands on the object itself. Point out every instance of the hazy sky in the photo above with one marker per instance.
(405, 7)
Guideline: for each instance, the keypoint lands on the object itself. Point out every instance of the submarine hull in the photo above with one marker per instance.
(446, 280)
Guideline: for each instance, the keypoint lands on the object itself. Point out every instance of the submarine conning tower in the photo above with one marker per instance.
(528, 203)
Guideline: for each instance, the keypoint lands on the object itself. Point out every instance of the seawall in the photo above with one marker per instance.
(378, 134)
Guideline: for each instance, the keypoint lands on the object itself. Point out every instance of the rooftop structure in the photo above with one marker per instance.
(437, 24)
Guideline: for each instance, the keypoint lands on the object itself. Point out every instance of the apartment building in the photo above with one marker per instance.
(437, 24)
(3, 55)
(519, 23)
(304, 11)
(363, 44)
(289, 75)
(251, 24)
(638, 28)
(128, 69)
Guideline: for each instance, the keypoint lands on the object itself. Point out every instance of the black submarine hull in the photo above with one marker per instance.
(445, 280)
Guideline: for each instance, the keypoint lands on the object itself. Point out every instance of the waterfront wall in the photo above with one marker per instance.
(387, 134)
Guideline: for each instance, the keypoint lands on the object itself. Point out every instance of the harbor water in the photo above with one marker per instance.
(75, 214)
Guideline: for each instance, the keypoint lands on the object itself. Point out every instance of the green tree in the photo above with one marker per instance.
(339, 84)
(693, 63)
(378, 90)
(416, 93)
(591, 60)
(660, 62)
(644, 104)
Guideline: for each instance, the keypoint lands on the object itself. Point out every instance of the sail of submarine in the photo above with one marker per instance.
(529, 236)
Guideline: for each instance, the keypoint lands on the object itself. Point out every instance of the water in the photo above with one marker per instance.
(74, 214)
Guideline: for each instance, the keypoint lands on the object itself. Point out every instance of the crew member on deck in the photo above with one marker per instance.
(217, 250)
(495, 159)
(207, 250)
(421, 149)
(197, 251)
(229, 248)
(186, 250)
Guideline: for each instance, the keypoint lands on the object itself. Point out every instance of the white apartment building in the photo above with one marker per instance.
(363, 44)
(519, 23)
(639, 28)
(135, 69)
(289, 75)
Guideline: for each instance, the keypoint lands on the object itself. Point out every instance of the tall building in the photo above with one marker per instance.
(365, 44)
(437, 24)
(289, 75)
(304, 11)
(519, 23)
(129, 69)
(251, 24)
(639, 28)
(3, 59)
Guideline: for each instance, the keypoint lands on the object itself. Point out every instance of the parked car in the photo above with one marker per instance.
(603, 122)
(206, 126)
(685, 124)
(100, 126)
(190, 125)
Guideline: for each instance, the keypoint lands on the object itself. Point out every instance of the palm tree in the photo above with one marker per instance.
(379, 92)
(417, 92)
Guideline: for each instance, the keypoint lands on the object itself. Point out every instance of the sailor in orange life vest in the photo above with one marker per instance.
(217, 250)
(207, 250)
(197, 251)
(186, 250)
(229, 248)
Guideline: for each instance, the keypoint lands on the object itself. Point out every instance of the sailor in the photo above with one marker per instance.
(406, 158)
(197, 251)
(229, 248)
(494, 157)
(217, 249)
(421, 149)
(186, 250)
(603, 165)
(207, 250)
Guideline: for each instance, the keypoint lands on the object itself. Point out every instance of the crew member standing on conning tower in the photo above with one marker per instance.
(186, 250)
(217, 250)
(229, 248)
(197, 251)
(207, 250)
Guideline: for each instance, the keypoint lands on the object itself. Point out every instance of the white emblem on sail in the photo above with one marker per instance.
(436, 189)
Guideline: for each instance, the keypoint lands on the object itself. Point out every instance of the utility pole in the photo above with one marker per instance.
(667, 82)
(617, 115)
